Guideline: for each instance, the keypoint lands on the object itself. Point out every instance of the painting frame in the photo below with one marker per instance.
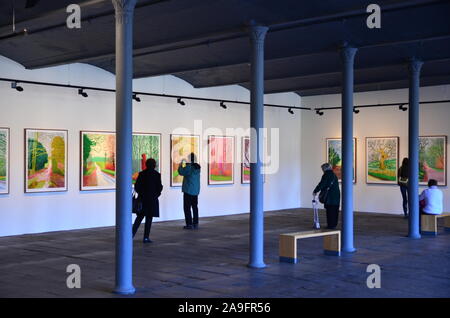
(171, 170)
(7, 160)
(65, 133)
(160, 159)
(445, 140)
(355, 156)
(233, 155)
(243, 160)
(397, 156)
(93, 188)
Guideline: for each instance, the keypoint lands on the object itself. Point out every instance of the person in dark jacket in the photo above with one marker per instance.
(403, 175)
(149, 187)
(191, 189)
(330, 180)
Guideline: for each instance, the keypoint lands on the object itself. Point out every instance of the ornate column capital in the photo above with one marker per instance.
(258, 33)
(124, 10)
(347, 53)
(414, 66)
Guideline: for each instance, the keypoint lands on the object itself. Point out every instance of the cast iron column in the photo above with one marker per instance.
(413, 148)
(348, 57)
(257, 36)
(124, 78)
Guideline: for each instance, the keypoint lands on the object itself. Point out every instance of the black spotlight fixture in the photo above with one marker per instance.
(291, 111)
(402, 107)
(222, 104)
(179, 101)
(16, 87)
(82, 93)
(136, 98)
(319, 112)
(356, 111)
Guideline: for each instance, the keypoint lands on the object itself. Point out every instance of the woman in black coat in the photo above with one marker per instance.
(333, 200)
(403, 175)
(149, 187)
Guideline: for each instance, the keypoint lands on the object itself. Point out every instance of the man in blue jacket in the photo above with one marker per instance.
(191, 189)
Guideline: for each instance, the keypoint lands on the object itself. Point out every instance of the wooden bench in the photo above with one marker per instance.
(288, 243)
(429, 223)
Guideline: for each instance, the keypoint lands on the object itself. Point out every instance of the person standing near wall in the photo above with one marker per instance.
(149, 187)
(330, 183)
(403, 175)
(191, 189)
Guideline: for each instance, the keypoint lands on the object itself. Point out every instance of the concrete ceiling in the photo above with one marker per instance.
(205, 42)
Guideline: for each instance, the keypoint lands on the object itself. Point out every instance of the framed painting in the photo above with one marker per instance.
(245, 160)
(98, 160)
(382, 160)
(4, 160)
(181, 146)
(45, 160)
(433, 159)
(220, 160)
(334, 156)
(145, 146)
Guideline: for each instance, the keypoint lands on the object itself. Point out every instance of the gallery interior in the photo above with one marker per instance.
(85, 86)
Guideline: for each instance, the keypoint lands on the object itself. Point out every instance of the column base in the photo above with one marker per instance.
(256, 265)
(349, 250)
(414, 236)
(124, 291)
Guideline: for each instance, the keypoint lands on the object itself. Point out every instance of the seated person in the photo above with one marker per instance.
(431, 199)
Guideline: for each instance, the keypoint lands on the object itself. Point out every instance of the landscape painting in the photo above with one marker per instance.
(4, 160)
(382, 160)
(433, 159)
(220, 160)
(245, 161)
(98, 160)
(181, 146)
(145, 146)
(334, 157)
(45, 160)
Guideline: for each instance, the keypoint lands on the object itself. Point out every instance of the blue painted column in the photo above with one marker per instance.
(348, 57)
(124, 122)
(414, 67)
(257, 36)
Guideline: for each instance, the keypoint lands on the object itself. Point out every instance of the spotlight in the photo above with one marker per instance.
(222, 104)
(402, 107)
(356, 111)
(82, 93)
(179, 101)
(136, 98)
(318, 112)
(16, 87)
(291, 111)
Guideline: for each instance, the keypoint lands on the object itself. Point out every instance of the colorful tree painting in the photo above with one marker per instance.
(4, 160)
(382, 159)
(245, 169)
(145, 146)
(432, 159)
(98, 169)
(220, 160)
(46, 166)
(334, 156)
(180, 148)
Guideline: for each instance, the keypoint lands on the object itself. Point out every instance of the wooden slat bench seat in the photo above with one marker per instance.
(288, 243)
(429, 223)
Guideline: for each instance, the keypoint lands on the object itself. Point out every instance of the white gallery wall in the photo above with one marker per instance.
(370, 122)
(62, 108)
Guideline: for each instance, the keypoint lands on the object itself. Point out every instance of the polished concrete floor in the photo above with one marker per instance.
(211, 262)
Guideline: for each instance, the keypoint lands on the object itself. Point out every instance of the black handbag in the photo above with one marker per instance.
(138, 206)
(323, 195)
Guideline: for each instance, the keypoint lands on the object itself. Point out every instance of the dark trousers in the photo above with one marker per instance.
(148, 224)
(332, 215)
(404, 191)
(190, 202)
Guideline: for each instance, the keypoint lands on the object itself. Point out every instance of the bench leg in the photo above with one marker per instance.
(447, 223)
(288, 249)
(332, 245)
(429, 224)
